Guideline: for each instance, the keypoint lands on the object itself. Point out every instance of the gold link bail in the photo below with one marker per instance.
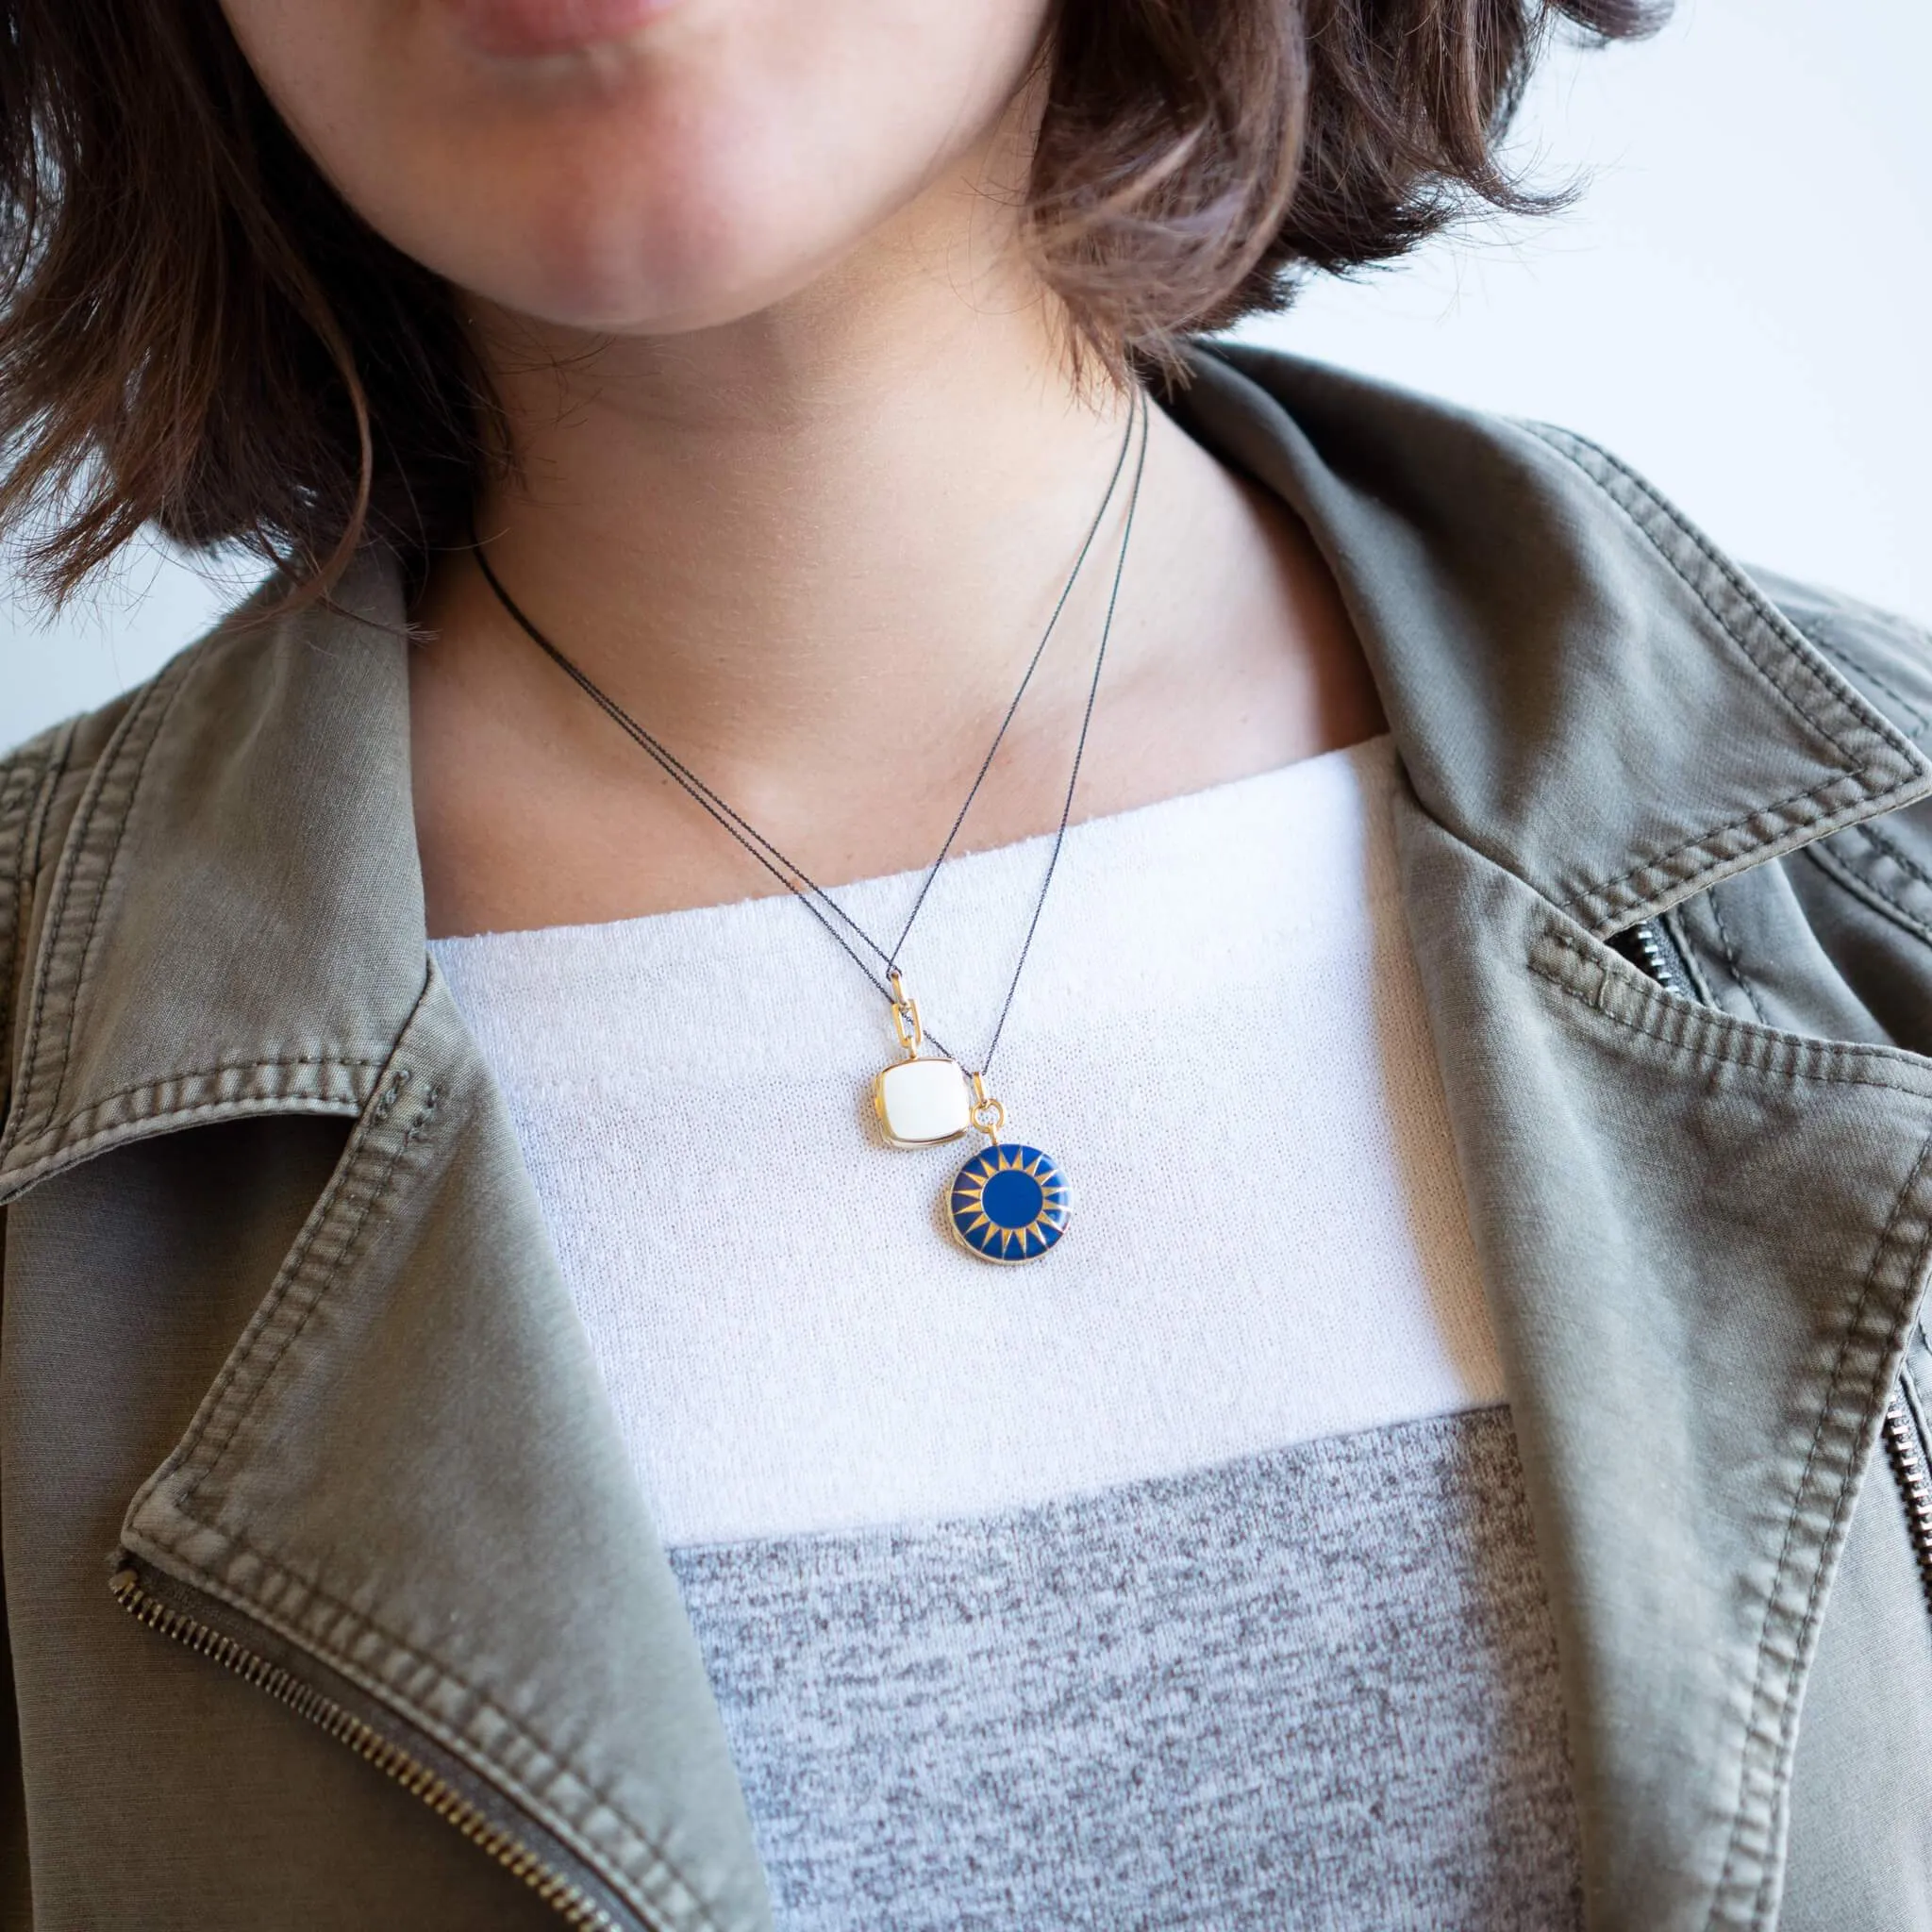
(905, 1015)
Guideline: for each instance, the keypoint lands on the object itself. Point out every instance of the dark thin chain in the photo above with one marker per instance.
(792, 877)
(814, 897)
(811, 896)
(1053, 858)
(932, 872)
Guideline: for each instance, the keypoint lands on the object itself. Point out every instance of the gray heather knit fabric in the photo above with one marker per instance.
(1312, 1689)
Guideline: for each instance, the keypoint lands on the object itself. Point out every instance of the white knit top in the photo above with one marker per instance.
(974, 1552)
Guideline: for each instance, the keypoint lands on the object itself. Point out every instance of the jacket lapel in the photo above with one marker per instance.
(407, 1473)
(1702, 1241)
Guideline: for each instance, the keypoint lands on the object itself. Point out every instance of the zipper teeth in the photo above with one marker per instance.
(1914, 1482)
(1656, 961)
(576, 1906)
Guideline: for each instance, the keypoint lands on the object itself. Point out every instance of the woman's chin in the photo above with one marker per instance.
(687, 247)
(660, 290)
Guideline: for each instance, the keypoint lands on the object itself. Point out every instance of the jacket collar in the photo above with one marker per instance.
(236, 920)
(1536, 617)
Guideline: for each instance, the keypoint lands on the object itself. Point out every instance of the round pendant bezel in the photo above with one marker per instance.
(1037, 1238)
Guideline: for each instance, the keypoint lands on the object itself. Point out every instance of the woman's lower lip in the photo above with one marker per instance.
(527, 29)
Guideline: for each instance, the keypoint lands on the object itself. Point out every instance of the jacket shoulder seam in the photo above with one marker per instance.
(1852, 637)
(1863, 880)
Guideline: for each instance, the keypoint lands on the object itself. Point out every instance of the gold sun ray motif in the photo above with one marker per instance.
(1008, 1204)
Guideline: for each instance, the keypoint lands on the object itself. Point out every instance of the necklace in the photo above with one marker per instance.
(1010, 1202)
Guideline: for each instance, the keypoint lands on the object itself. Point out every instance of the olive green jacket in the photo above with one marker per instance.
(329, 1598)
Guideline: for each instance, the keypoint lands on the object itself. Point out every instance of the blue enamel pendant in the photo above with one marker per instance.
(1008, 1204)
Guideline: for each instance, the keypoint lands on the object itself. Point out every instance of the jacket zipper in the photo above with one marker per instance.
(1649, 947)
(1914, 1482)
(569, 1900)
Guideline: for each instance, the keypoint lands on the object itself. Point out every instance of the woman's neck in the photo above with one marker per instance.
(812, 552)
(785, 539)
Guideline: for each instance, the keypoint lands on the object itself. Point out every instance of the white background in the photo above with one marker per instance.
(1738, 305)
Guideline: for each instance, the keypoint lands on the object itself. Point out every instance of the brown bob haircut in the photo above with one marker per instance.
(197, 333)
